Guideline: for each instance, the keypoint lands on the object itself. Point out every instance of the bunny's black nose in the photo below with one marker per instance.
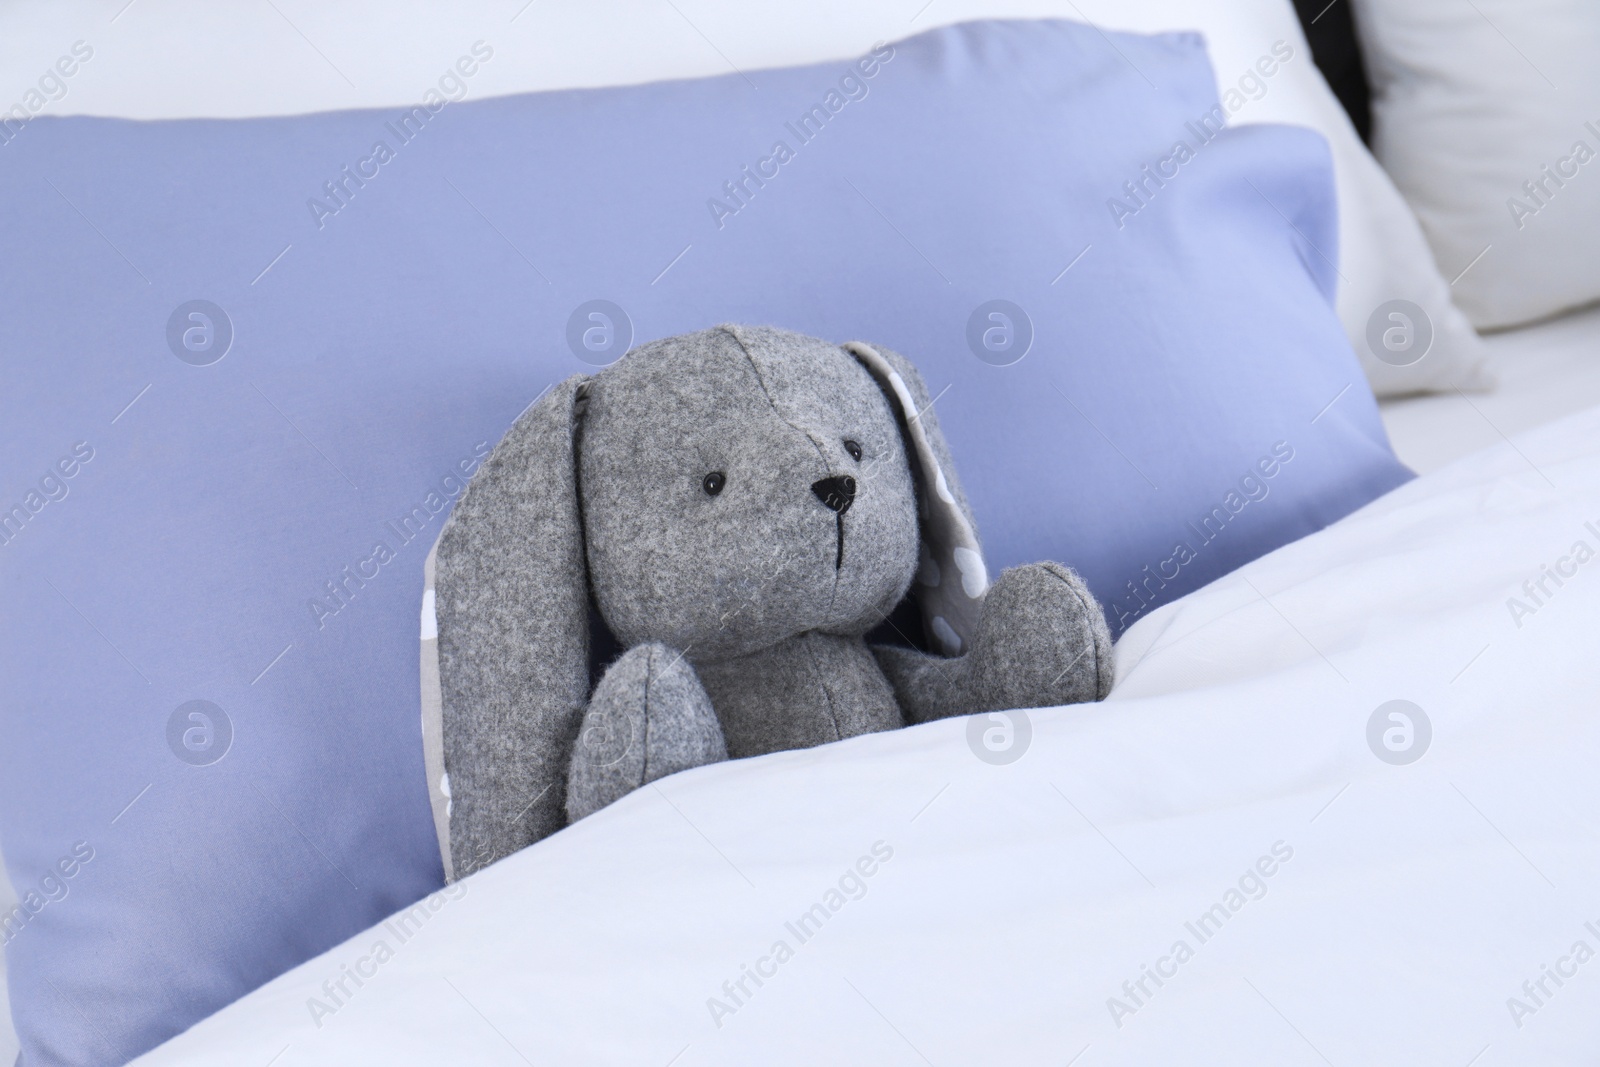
(837, 493)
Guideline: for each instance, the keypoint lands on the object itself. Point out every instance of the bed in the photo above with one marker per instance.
(1252, 867)
(1423, 940)
(1335, 810)
(1542, 372)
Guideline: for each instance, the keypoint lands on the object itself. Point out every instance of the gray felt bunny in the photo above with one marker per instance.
(736, 510)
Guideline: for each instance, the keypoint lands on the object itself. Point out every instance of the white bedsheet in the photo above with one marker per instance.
(1406, 906)
(1543, 372)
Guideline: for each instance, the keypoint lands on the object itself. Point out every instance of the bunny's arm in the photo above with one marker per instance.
(1042, 640)
(649, 717)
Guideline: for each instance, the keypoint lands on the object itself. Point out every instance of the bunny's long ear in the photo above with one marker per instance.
(511, 603)
(952, 578)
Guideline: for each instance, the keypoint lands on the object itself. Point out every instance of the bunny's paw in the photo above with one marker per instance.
(1042, 641)
(649, 717)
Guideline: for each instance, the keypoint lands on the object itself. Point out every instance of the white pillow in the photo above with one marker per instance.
(1481, 114)
(248, 59)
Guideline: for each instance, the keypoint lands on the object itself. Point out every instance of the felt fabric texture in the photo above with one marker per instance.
(649, 717)
(702, 480)
(724, 575)
(828, 687)
(1042, 641)
(513, 638)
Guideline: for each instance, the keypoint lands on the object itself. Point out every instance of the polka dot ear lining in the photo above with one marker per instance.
(951, 578)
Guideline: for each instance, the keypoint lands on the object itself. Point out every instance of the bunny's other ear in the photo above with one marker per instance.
(512, 608)
(952, 578)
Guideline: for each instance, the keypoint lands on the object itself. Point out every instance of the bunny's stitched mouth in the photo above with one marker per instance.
(836, 494)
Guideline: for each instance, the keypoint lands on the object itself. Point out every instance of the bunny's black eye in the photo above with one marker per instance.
(854, 449)
(713, 483)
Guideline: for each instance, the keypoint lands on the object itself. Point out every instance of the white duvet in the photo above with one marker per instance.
(1213, 866)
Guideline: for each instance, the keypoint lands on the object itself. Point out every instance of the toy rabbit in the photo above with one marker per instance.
(733, 510)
